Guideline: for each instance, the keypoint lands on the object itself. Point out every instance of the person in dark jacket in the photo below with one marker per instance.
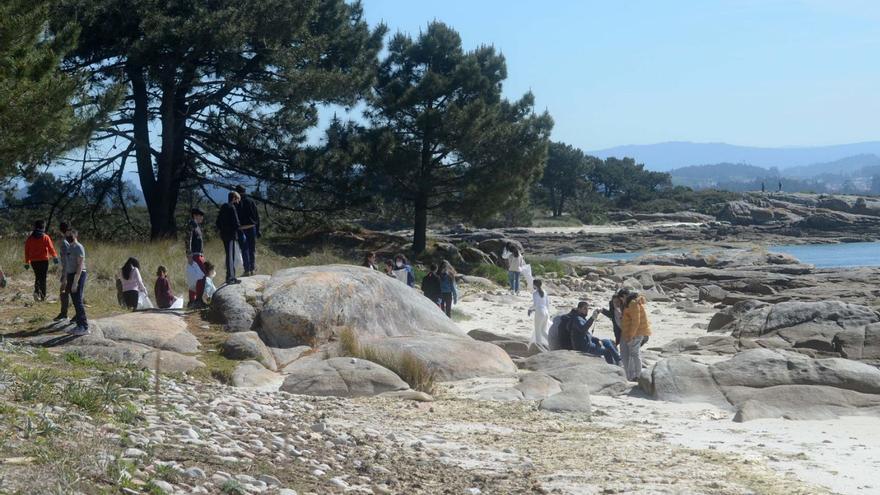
(38, 250)
(63, 295)
(249, 230)
(164, 295)
(577, 328)
(228, 225)
(448, 289)
(431, 285)
(615, 313)
(195, 243)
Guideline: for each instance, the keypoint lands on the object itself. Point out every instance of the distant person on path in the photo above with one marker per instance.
(431, 285)
(370, 261)
(541, 308)
(63, 295)
(132, 283)
(448, 289)
(38, 250)
(515, 262)
(228, 225)
(249, 218)
(780, 187)
(195, 243)
(164, 295)
(763, 189)
(577, 327)
(636, 330)
(615, 313)
(75, 267)
(403, 271)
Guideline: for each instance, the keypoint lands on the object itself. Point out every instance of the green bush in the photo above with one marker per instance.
(492, 272)
(543, 266)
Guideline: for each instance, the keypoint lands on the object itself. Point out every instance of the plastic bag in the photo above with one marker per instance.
(239, 260)
(193, 275)
(177, 304)
(526, 273)
(144, 301)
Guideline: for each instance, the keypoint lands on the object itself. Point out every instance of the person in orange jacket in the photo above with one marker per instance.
(38, 250)
(635, 331)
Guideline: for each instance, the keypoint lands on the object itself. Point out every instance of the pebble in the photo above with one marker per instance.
(134, 453)
(163, 485)
(195, 473)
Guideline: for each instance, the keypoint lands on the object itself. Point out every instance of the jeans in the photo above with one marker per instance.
(513, 278)
(41, 270)
(604, 348)
(77, 299)
(248, 243)
(630, 353)
(229, 247)
(446, 303)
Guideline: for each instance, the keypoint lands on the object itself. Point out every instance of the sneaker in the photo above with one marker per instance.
(233, 281)
(60, 317)
(80, 331)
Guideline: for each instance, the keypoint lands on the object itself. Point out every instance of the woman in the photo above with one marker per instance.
(403, 271)
(635, 328)
(431, 285)
(615, 312)
(541, 308)
(370, 261)
(515, 262)
(448, 289)
(132, 283)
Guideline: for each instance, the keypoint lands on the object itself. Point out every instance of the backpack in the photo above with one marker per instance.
(563, 333)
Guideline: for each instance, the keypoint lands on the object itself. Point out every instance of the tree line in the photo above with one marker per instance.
(202, 92)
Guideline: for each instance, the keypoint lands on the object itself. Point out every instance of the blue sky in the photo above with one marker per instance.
(615, 72)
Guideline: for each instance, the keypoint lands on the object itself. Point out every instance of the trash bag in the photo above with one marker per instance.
(526, 274)
(144, 301)
(177, 304)
(193, 275)
(239, 260)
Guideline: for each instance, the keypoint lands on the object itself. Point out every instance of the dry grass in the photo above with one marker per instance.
(406, 365)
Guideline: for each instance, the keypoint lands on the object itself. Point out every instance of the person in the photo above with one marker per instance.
(763, 188)
(38, 250)
(132, 283)
(164, 295)
(228, 225)
(403, 271)
(431, 285)
(75, 267)
(195, 252)
(615, 312)
(541, 308)
(635, 329)
(577, 326)
(370, 261)
(63, 295)
(515, 262)
(249, 229)
(448, 289)
(780, 186)
(210, 288)
(389, 268)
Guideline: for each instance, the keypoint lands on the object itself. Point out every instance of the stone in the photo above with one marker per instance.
(283, 356)
(412, 395)
(447, 251)
(708, 345)
(341, 377)
(475, 256)
(248, 345)
(572, 368)
(538, 386)
(575, 399)
(252, 374)
(500, 394)
(166, 331)
(712, 294)
(169, 362)
(496, 246)
(860, 344)
(478, 281)
(237, 306)
(312, 305)
(448, 357)
(195, 473)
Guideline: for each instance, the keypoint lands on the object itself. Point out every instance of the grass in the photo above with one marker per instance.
(492, 272)
(406, 365)
(541, 267)
(232, 487)
(563, 221)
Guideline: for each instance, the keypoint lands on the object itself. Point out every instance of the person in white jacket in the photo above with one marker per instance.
(515, 263)
(132, 283)
(541, 308)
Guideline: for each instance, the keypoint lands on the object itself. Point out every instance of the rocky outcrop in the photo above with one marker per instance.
(251, 374)
(571, 368)
(763, 383)
(236, 306)
(515, 347)
(341, 377)
(448, 357)
(248, 345)
(861, 344)
(153, 329)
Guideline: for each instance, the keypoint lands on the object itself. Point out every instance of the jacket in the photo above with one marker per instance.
(194, 239)
(431, 286)
(574, 330)
(514, 263)
(635, 320)
(227, 222)
(248, 214)
(164, 295)
(614, 323)
(38, 247)
(447, 286)
(134, 282)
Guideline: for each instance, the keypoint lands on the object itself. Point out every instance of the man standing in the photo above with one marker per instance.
(249, 217)
(195, 253)
(229, 225)
(75, 266)
(38, 250)
(63, 295)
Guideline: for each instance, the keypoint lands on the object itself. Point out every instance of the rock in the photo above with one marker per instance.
(485, 335)
(572, 368)
(538, 386)
(713, 345)
(513, 346)
(412, 395)
(164, 331)
(237, 306)
(500, 394)
(248, 345)
(681, 379)
(575, 399)
(475, 256)
(283, 357)
(449, 357)
(341, 377)
(311, 305)
(479, 281)
(496, 246)
(163, 486)
(712, 294)
(252, 374)
(860, 344)
(170, 362)
(448, 252)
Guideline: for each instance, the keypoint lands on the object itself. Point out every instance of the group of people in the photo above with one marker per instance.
(438, 284)
(238, 223)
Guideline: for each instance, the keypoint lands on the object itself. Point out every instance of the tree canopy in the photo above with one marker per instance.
(443, 138)
(567, 172)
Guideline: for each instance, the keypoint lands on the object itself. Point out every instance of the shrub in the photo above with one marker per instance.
(406, 365)
(492, 272)
(88, 398)
(232, 487)
(543, 266)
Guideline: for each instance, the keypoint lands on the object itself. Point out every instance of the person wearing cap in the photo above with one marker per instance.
(195, 252)
(228, 224)
(249, 217)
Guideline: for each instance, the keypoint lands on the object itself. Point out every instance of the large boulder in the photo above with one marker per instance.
(745, 213)
(158, 330)
(341, 377)
(251, 374)
(311, 305)
(575, 399)
(762, 383)
(450, 358)
(860, 344)
(475, 256)
(248, 345)
(712, 294)
(237, 306)
(572, 368)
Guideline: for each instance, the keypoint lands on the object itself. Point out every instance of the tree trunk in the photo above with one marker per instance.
(420, 231)
(170, 163)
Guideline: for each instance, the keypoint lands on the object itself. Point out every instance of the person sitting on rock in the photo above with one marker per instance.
(210, 288)
(403, 271)
(635, 330)
(431, 285)
(577, 326)
(164, 294)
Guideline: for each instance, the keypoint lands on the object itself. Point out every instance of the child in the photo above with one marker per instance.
(448, 289)
(164, 295)
(210, 289)
(132, 283)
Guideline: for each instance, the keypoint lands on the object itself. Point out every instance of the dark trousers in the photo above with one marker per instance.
(229, 247)
(41, 270)
(446, 303)
(77, 299)
(248, 243)
(131, 299)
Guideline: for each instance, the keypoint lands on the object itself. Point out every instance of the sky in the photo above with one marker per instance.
(617, 72)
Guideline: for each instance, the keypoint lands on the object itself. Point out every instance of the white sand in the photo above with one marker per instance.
(842, 454)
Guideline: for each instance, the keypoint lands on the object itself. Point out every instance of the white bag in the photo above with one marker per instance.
(526, 273)
(177, 304)
(239, 260)
(144, 301)
(193, 275)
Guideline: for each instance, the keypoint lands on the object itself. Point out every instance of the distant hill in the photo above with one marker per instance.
(851, 165)
(667, 156)
(703, 176)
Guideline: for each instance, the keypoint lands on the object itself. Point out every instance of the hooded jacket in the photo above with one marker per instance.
(635, 320)
(38, 247)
